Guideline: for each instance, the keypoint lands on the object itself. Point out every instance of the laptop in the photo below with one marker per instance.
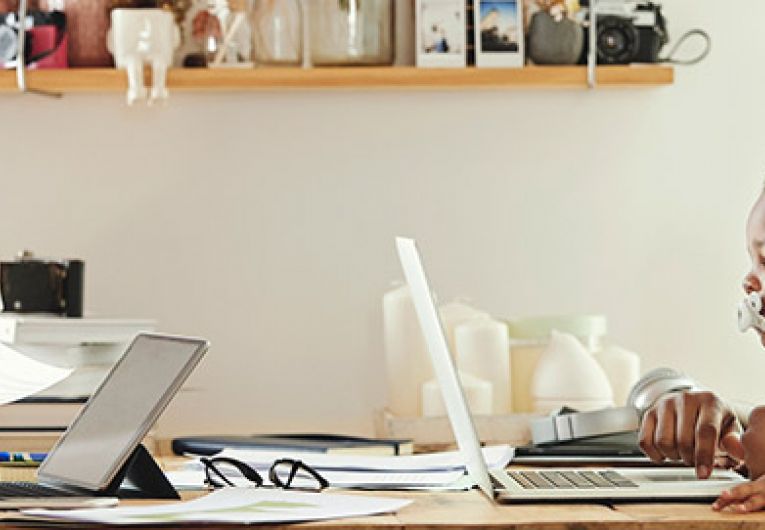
(102, 441)
(546, 484)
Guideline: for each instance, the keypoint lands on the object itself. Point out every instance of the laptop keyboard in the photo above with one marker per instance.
(32, 489)
(570, 479)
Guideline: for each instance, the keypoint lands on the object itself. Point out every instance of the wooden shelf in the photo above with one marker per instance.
(110, 80)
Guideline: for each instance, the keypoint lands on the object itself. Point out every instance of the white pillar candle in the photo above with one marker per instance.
(452, 315)
(478, 394)
(483, 350)
(406, 361)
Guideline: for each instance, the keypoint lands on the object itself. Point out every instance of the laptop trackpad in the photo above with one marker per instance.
(679, 476)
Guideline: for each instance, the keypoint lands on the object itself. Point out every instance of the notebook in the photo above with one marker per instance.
(616, 449)
(88, 463)
(540, 484)
(309, 442)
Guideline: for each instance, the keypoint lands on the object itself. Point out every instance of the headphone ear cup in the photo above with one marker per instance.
(638, 389)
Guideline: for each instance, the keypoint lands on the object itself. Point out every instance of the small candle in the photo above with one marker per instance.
(478, 394)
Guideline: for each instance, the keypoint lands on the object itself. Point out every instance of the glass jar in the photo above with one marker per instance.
(277, 32)
(350, 32)
(228, 41)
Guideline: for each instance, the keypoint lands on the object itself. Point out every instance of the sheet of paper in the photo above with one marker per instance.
(237, 505)
(496, 457)
(22, 376)
(194, 479)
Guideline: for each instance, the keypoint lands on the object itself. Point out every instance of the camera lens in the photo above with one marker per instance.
(614, 42)
(617, 40)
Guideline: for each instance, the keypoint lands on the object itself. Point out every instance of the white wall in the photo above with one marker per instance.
(264, 221)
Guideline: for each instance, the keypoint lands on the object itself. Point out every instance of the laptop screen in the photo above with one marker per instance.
(446, 374)
(121, 411)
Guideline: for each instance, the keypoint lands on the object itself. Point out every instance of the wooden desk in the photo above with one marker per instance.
(472, 511)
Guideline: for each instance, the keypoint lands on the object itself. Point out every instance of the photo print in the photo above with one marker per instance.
(440, 33)
(499, 33)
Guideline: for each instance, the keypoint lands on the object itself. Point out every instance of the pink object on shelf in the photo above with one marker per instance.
(44, 39)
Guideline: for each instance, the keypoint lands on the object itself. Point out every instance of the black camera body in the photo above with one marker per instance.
(627, 33)
(30, 285)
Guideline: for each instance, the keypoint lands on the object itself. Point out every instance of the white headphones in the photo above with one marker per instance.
(578, 425)
(653, 385)
(749, 313)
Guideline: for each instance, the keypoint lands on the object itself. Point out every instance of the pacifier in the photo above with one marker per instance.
(749, 313)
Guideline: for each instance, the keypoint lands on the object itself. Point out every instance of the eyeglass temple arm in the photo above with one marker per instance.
(297, 465)
(210, 467)
(323, 483)
(21, 60)
(246, 471)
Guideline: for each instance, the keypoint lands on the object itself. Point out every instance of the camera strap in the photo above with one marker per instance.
(670, 58)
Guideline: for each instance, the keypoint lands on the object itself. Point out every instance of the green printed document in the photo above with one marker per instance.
(236, 505)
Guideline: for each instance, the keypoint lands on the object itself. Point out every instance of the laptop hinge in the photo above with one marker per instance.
(140, 478)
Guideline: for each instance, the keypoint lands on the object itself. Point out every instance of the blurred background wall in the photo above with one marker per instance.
(264, 221)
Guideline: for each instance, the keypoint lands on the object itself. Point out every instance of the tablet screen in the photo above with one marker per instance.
(122, 410)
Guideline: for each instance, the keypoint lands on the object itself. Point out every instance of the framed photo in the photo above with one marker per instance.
(440, 26)
(498, 33)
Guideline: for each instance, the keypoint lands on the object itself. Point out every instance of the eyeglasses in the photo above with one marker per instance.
(282, 474)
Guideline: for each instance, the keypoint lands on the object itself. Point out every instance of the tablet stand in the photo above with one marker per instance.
(142, 478)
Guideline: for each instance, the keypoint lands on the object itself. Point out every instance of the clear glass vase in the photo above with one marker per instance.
(228, 36)
(350, 32)
(277, 32)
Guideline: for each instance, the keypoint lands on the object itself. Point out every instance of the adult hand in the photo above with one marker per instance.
(690, 426)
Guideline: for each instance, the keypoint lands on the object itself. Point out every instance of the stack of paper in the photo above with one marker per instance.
(235, 505)
(22, 376)
(444, 470)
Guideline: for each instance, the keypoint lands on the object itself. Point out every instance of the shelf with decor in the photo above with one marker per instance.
(234, 79)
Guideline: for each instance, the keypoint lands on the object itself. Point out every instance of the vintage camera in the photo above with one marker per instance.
(31, 285)
(627, 32)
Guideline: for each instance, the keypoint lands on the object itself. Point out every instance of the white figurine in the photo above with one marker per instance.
(139, 36)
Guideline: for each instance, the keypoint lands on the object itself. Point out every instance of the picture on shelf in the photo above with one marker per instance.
(499, 33)
(440, 33)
